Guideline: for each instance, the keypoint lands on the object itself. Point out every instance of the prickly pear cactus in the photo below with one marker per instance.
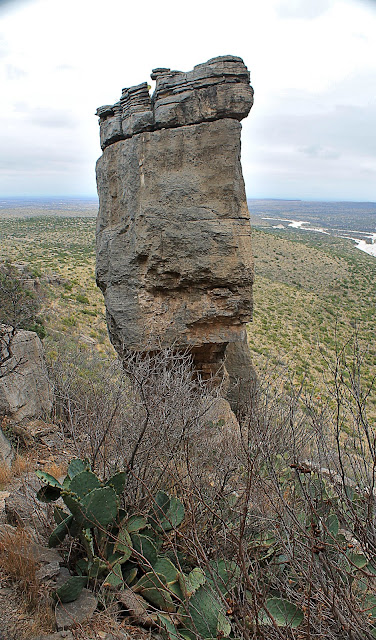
(121, 551)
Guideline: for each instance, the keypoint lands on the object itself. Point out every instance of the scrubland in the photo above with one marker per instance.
(59, 253)
(313, 293)
(268, 533)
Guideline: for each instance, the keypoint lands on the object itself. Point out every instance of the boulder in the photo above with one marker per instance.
(23, 509)
(177, 268)
(72, 614)
(25, 391)
(48, 571)
(174, 258)
(45, 555)
(220, 417)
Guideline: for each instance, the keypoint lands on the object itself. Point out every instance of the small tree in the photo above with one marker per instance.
(19, 308)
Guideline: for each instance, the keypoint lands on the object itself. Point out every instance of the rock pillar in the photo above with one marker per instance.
(174, 259)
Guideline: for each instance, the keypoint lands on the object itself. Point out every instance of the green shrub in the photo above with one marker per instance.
(19, 304)
(70, 321)
(39, 328)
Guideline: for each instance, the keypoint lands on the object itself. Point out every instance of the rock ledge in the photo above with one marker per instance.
(218, 88)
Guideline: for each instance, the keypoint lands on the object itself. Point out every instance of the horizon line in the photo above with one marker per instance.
(249, 198)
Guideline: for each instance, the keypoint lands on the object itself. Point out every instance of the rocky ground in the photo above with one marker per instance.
(24, 526)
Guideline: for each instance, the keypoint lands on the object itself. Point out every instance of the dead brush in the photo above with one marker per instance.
(19, 565)
(104, 624)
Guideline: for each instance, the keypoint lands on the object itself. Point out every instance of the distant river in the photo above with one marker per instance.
(303, 225)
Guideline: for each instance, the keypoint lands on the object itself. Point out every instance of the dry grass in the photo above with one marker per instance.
(19, 566)
(20, 466)
(5, 477)
(101, 624)
(58, 470)
(32, 455)
(18, 563)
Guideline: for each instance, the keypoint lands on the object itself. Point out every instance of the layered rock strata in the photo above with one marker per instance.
(174, 258)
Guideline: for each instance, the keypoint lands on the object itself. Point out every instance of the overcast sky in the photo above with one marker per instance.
(311, 133)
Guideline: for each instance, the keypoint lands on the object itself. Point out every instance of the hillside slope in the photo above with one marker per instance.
(312, 292)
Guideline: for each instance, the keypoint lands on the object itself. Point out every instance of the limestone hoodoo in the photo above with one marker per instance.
(174, 259)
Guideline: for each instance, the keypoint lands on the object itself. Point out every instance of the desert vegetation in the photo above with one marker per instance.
(312, 292)
(269, 533)
(59, 254)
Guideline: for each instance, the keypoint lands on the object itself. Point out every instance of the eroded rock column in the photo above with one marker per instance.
(174, 258)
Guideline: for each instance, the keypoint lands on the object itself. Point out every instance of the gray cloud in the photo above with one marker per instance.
(45, 158)
(295, 175)
(368, 171)
(368, 3)
(40, 151)
(46, 172)
(314, 145)
(52, 118)
(296, 143)
(65, 67)
(307, 9)
(326, 130)
(12, 5)
(317, 151)
(4, 49)
(46, 117)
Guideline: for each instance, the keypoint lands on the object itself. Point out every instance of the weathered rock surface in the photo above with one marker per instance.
(218, 88)
(218, 441)
(219, 411)
(72, 614)
(3, 518)
(24, 386)
(23, 509)
(6, 450)
(136, 607)
(174, 257)
(48, 571)
(242, 376)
